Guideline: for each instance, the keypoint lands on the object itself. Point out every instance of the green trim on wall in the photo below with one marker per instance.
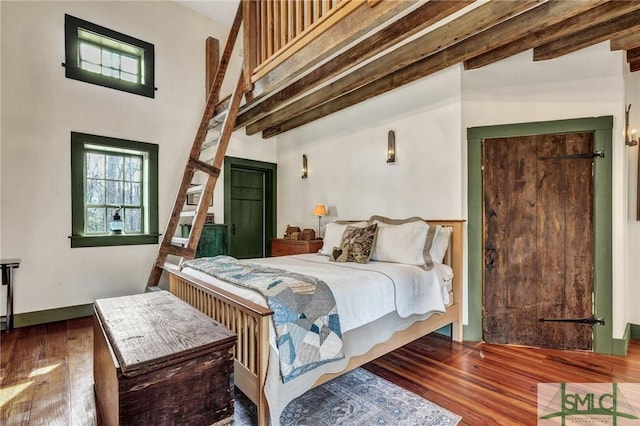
(52, 315)
(635, 331)
(620, 346)
(271, 180)
(603, 245)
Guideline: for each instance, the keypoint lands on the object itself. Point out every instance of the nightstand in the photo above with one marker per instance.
(282, 247)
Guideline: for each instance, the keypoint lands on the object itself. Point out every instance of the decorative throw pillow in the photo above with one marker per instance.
(357, 244)
(426, 244)
(333, 235)
(339, 254)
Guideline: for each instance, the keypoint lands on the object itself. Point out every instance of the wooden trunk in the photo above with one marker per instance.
(157, 360)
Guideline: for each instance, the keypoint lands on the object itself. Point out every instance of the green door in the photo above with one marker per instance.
(249, 207)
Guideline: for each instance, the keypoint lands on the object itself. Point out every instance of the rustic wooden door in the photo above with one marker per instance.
(538, 239)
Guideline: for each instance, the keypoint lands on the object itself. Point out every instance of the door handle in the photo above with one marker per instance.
(233, 229)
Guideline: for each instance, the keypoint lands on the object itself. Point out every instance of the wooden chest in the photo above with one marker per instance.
(284, 247)
(159, 361)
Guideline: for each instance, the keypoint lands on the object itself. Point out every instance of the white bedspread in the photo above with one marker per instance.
(363, 292)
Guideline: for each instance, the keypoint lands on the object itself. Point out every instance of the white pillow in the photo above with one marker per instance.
(333, 233)
(402, 243)
(440, 243)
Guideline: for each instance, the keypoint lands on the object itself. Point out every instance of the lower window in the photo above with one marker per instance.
(114, 191)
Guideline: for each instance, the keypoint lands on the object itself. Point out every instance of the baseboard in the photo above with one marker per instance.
(620, 346)
(635, 331)
(52, 315)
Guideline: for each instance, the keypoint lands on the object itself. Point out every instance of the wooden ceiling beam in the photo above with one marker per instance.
(626, 41)
(634, 66)
(586, 37)
(472, 23)
(414, 22)
(542, 16)
(599, 14)
(633, 55)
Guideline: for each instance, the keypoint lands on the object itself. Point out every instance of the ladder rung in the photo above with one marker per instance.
(177, 250)
(179, 241)
(195, 189)
(204, 167)
(190, 213)
(217, 119)
(211, 139)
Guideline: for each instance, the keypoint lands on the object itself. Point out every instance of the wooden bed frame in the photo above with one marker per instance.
(250, 322)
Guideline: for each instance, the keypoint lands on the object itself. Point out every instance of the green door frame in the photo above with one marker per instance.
(601, 127)
(270, 171)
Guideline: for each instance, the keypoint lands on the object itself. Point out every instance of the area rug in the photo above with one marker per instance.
(358, 398)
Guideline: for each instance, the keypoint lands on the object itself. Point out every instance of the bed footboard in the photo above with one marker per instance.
(248, 320)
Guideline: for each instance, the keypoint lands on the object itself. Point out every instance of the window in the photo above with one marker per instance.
(111, 175)
(98, 55)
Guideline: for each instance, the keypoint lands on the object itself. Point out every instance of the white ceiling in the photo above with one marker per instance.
(221, 11)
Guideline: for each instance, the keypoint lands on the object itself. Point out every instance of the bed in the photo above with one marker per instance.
(364, 339)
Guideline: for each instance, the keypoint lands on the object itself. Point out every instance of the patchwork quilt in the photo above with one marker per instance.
(305, 315)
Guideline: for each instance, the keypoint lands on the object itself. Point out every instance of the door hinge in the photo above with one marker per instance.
(592, 320)
(584, 155)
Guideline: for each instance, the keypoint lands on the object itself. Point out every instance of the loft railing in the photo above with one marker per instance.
(281, 21)
(282, 27)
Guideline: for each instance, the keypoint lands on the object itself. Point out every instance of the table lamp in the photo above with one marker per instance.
(319, 210)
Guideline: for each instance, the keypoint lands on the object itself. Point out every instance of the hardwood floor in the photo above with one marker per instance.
(46, 375)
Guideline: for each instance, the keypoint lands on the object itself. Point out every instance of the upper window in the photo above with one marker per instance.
(108, 58)
(114, 191)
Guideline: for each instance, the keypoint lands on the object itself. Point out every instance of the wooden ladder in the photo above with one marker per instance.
(201, 174)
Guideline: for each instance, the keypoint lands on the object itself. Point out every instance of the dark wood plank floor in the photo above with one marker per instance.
(46, 375)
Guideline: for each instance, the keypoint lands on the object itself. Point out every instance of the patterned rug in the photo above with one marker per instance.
(358, 398)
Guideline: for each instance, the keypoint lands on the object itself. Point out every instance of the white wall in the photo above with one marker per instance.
(347, 158)
(632, 96)
(40, 107)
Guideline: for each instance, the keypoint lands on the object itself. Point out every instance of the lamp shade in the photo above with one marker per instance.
(320, 210)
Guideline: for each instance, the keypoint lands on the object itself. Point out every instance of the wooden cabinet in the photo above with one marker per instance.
(282, 247)
(159, 361)
(213, 241)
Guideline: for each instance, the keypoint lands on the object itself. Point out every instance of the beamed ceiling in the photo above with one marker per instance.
(429, 37)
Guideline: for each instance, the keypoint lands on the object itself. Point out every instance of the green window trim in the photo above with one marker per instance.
(135, 75)
(82, 143)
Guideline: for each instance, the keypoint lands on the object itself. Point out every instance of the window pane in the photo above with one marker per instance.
(114, 193)
(110, 59)
(132, 169)
(129, 77)
(109, 72)
(129, 64)
(95, 191)
(90, 67)
(96, 222)
(95, 165)
(89, 53)
(115, 167)
(133, 220)
(132, 194)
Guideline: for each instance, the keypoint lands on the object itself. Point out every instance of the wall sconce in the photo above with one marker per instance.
(629, 137)
(391, 147)
(305, 170)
